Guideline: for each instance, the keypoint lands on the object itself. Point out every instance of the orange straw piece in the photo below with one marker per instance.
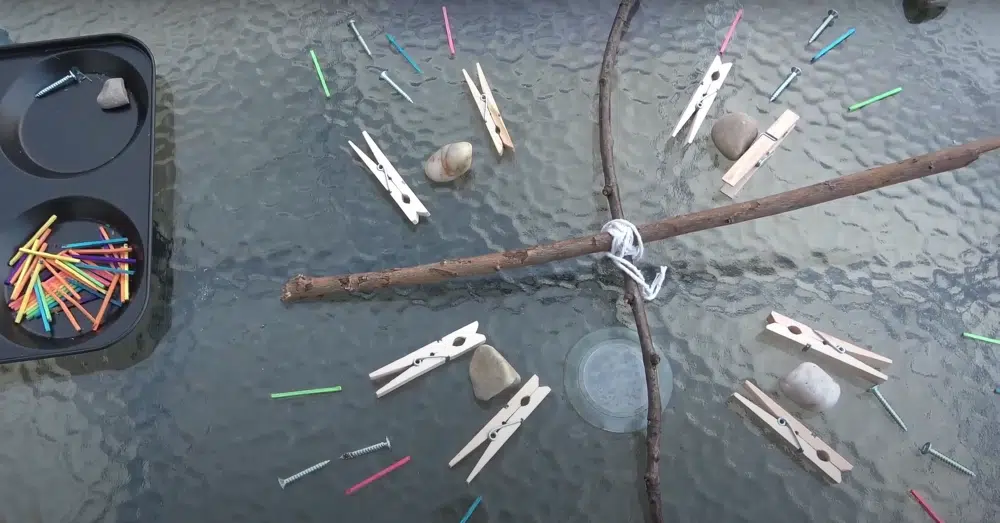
(69, 313)
(78, 306)
(123, 289)
(58, 276)
(107, 300)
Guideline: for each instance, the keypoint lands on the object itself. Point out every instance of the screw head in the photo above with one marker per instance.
(351, 21)
(282, 483)
(387, 444)
(833, 13)
(926, 448)
(76, 73)
(796, 71)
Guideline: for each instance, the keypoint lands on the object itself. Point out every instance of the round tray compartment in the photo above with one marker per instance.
(66, 133)
(78, 220)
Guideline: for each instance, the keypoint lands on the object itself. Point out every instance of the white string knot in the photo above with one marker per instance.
(626, 242)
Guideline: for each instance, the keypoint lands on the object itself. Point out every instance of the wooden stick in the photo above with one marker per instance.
(650, 360)
(312, 287)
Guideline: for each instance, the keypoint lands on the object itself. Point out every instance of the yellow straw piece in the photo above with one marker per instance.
(48, 255)
(48, 223)
(24, 276)
(24, 303)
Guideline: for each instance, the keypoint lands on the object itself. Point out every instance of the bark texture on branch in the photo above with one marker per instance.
(301, 287)
(650, 360)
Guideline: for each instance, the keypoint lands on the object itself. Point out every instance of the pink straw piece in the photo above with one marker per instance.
(378, 475)
(732, 29)
(447, 30)
(927, 508)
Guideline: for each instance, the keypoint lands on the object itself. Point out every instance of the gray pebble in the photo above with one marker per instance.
(490, 373)
(733, 134)
(113, 95)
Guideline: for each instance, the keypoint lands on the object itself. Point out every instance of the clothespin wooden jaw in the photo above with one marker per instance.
(499, 429)
(383, 171)
(489, 111)
(763, 147)
(428, 358)
(704, 96)
(788, 432)
(848, 360)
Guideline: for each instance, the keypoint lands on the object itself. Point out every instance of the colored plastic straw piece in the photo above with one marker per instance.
(378, 475)
(24, 303)
(874, 99)
(729, 34)
(833, 44)
(81, 276)
(319, 72)
(25, 277)
(124, 284)
(14, 272)
(402, 52)
(48, 255)
(38, 234)
(447, 30)
(472, 508)
(927, 508)
(996, 390)
(79, 305)
(44, 310)
(980, 338)
(67, 312)
(112, 270)
(105, 303)
(106, 250)
(103, 259)
(309, 392)
(95, 243)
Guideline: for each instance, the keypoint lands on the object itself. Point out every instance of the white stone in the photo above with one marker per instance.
(490, 373)
(810, 387)
(113, 95)
(449, 162)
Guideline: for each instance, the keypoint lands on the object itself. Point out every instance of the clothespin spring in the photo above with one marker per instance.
(494, 432)
(798, 444)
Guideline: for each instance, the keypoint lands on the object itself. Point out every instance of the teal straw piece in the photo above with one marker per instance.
(980, 338)
(402, 52)
(996, 390)
(42, 308)
(95, 243)
(472, 508)
(319, 72)
(833, 44)
(874, 99)
(106, 269)
(309, 392)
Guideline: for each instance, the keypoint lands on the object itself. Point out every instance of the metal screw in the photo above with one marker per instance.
(885, 404)
(367, 450)
(385, 76)
(309, 470)
(927, 449)
(831, 15)
(791, 76)
(358, 36)
(73, 77)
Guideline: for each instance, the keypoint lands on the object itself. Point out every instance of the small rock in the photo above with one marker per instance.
(733, 134)
(490, 373)
(113, 95)
(810, 387)
(449, 162)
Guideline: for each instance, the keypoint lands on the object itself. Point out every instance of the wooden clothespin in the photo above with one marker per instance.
(780, 425)
(847, 359)
(428, 358)
(382, 169)
(489, 111)
(499, 429)
(703, 98)
(763, 147)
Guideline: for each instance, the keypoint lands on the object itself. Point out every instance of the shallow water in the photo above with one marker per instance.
(256, 183)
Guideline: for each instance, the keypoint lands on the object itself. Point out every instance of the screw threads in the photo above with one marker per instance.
(309, 470)
(367, 450)
(926, 449)
(58, 84)
(888, 408)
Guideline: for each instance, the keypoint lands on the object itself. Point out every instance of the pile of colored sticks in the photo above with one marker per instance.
(45, 283)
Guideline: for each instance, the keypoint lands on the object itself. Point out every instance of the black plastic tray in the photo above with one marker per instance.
(62, 154)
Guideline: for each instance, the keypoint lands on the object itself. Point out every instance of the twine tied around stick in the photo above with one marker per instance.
(626, 243)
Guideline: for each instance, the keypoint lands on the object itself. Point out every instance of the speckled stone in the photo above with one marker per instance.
(113, 95)
(733, 134)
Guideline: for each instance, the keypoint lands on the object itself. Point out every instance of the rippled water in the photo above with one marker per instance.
(256, 183)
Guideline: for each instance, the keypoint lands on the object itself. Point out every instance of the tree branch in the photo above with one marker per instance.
(300, 287)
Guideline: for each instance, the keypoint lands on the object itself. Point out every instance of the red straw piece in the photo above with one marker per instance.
(732, 29)
(927, 508)
(447, 30)
(376, 476)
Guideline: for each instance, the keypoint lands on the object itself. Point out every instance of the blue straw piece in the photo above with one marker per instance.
(42, 308)
(95, 243)
(402, 52)
(835, 43)
(468, 513)
(100, 268)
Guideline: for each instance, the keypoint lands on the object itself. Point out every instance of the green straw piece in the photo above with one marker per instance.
(292, 394)
(319, 72)
(874, 99)
(980, 338)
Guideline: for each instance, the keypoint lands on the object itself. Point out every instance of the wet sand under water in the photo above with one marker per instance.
(256, 183)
